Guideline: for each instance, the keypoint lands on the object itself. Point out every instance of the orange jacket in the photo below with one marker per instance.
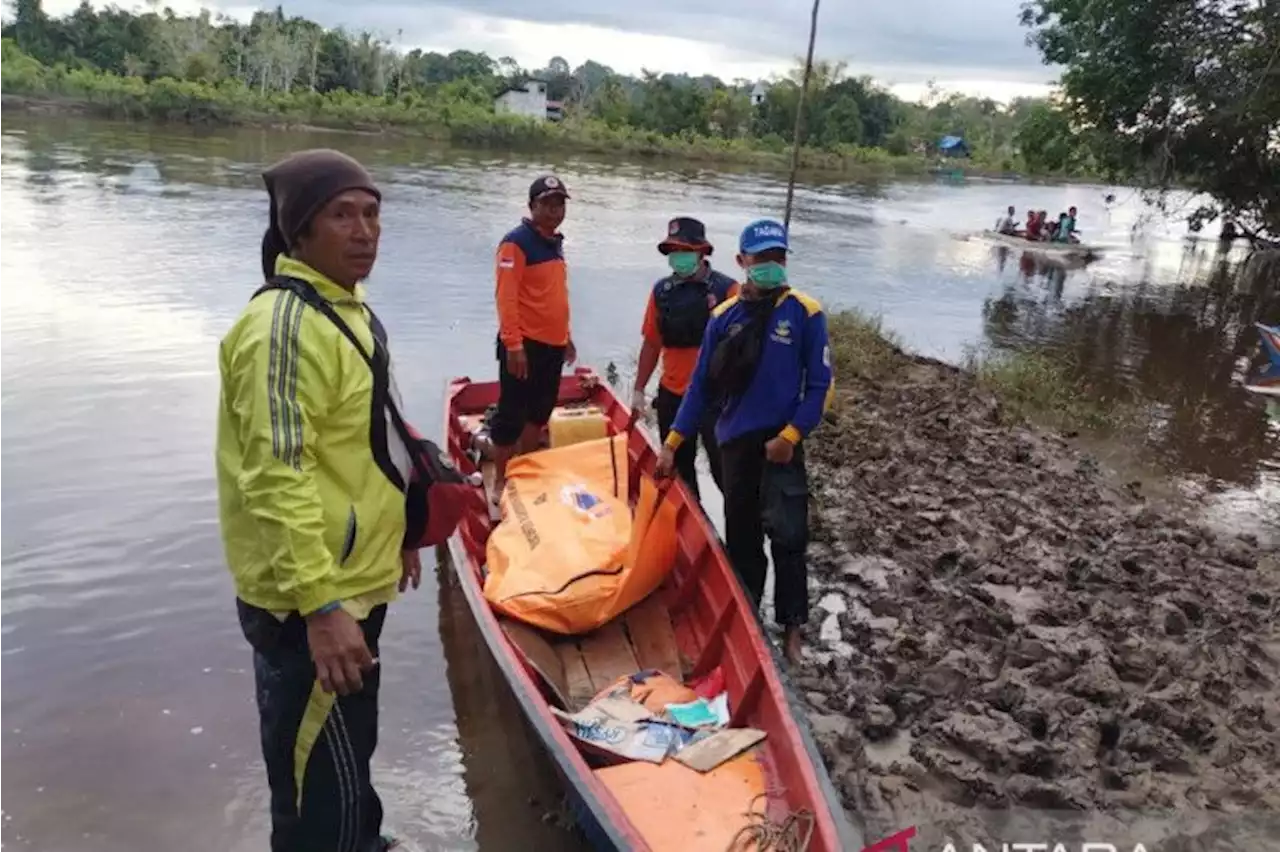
(532, 291)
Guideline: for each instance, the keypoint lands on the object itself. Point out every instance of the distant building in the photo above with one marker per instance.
(758, 93)
(555, 110)
(530, 101)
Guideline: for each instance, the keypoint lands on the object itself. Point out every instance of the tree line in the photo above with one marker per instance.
(277, 53)
(1158, 93)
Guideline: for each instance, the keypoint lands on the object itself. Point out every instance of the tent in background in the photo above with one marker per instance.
(953, 146)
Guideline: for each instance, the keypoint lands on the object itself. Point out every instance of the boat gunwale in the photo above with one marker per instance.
(832, 824)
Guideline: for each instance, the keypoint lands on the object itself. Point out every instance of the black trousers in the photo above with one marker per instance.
(317, 746)
(666, 404)
(530, 400)
(761, 498)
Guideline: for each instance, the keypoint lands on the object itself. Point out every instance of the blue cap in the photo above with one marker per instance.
(762, 235)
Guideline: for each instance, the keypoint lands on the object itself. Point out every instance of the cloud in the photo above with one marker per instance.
(902, 39)
(977, 45)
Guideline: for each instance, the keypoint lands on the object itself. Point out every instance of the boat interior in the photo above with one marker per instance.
(697, 624)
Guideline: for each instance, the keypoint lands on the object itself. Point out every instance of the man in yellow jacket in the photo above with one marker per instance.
(312, 523)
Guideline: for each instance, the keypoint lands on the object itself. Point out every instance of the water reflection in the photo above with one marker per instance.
(1175, 349)
(1178, 347)
(510, 781)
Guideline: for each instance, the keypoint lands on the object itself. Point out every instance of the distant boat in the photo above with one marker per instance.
(1266, 379)
(1049, 249)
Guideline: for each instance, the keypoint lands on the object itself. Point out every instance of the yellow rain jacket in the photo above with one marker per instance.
(307, 515)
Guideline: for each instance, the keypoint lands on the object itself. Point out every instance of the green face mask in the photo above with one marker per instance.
(767, 275)
(684, 263)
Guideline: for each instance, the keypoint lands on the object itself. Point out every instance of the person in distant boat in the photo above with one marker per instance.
(312, 523)
(1062, 229)
(1050, 229)
(534, 342)
(1009, 224)
(1071, 224)
(675, 319)
(765, 356)
(1032, 231)
(1046, 227)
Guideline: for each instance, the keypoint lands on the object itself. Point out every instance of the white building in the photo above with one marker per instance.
(531, 101)
(757, 94)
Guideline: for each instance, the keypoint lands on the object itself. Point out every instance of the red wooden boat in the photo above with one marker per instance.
(707, 617)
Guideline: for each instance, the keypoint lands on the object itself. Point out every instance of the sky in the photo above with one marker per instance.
(974, 46)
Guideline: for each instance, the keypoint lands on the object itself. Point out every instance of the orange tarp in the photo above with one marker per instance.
(676, 808)
(568, 556)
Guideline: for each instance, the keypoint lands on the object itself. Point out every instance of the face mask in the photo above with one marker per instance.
(767, 275)
(684, 263)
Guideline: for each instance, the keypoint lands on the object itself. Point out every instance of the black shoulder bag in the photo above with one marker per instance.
(434, 504)
(736, 357)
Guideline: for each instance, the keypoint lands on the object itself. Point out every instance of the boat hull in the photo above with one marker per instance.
(1266, 380)
(728, 635)
(584, 803)
(1073, 250)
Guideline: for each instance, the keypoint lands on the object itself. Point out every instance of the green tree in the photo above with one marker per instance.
(776, 114)
(671, 106)
(589, 77)
(839, 122)
(34, 31)
(1046, 140)
(335, 63)
(728, 112)
(1184, 92)
(558, 78)
(609, 102)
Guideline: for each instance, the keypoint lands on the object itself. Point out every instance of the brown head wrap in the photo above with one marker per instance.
(299, 186)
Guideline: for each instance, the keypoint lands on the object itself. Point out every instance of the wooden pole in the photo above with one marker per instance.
(796, 136)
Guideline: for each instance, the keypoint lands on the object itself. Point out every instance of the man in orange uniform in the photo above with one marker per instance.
(679, 309)
(533, 325)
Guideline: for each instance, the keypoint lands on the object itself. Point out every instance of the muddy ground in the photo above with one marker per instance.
(1002, 629)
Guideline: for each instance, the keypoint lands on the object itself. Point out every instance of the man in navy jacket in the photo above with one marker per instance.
(766, 357)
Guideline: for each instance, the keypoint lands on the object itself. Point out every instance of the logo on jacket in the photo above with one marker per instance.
(782, 332)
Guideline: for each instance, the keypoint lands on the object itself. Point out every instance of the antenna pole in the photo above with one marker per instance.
(796, 137)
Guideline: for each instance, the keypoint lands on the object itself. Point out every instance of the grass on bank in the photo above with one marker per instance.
(450, 116)
(1046, 390)
(862, 348)
(1030, 386)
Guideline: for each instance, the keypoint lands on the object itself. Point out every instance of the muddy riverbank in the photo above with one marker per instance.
(1003, 627)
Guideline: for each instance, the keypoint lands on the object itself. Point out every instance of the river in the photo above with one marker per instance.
(128, 251)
